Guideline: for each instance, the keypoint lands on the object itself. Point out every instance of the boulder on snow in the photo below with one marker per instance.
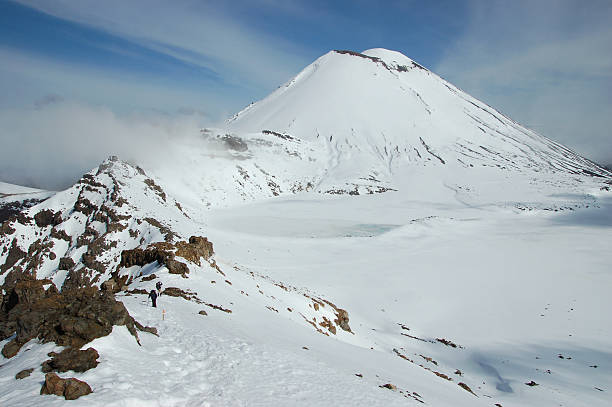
(70, 388)
(71, 359)
(24, 373)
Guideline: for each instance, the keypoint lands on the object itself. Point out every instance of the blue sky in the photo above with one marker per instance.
(546, 63)
(289, 34)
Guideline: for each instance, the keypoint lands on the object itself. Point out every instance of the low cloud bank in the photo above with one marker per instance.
(52, 145)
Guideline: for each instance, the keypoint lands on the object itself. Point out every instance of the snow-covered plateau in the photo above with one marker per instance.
(380, 238)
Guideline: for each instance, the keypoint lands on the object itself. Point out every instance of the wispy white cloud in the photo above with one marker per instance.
(31, 77)
(192, 31)
(547, 64)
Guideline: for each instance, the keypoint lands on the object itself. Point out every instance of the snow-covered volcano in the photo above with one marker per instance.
(380, 238)
(383, 104)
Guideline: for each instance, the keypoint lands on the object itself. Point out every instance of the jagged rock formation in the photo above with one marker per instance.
(73, 238)
(164, 253)
(36, 309)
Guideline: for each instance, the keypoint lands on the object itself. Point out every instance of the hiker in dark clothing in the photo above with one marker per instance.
(158, 286)
(153, 297)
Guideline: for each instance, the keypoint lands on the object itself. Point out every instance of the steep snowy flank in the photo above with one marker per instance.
(388, 112)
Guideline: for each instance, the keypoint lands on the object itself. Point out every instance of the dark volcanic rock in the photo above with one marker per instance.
(70, 388)
(197, 248)
(10, 210)
(74, 388)
(65, 263)
(53, 385)
(164, 253)
(77, 279)
(343, 320)
(47, 218)
(142, 257)
(177, 267)
(71, 318)
(14, 255)
(71, 359)
(24, 373)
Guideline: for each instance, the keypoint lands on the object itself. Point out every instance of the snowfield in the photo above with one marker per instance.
(470, 255)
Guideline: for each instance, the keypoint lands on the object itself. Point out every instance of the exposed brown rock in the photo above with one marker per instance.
(84, 206)
(11, 349)
(111, 286)
(342, 317)
(177, 292)
(326, 323)
(77, 279)
(14, 255)
(71, 318)
(389, 386)
(442, 375)
(38, 252)
(177, 267)
(66, 263)
(6, 229)
(70, 388)
(87, 237)
(71, 359)
(142, 257)
(169, 235)
(164, 253)
(149, 277)
(11, 211)
(53, 385)
(448, 343)
(24, 373)
(47, 218)
(138, 291)
(466, 387)
(75, 388)
(198, 247)
(156, 188)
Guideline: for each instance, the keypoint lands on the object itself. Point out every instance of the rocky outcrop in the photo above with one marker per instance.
(47, 218)
(197, 248)
(70, 318)
(71, 359)
(70, 388)
(164, 253)
(66, 263)
(14, 255)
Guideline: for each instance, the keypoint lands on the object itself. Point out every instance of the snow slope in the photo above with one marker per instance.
(467, 252)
